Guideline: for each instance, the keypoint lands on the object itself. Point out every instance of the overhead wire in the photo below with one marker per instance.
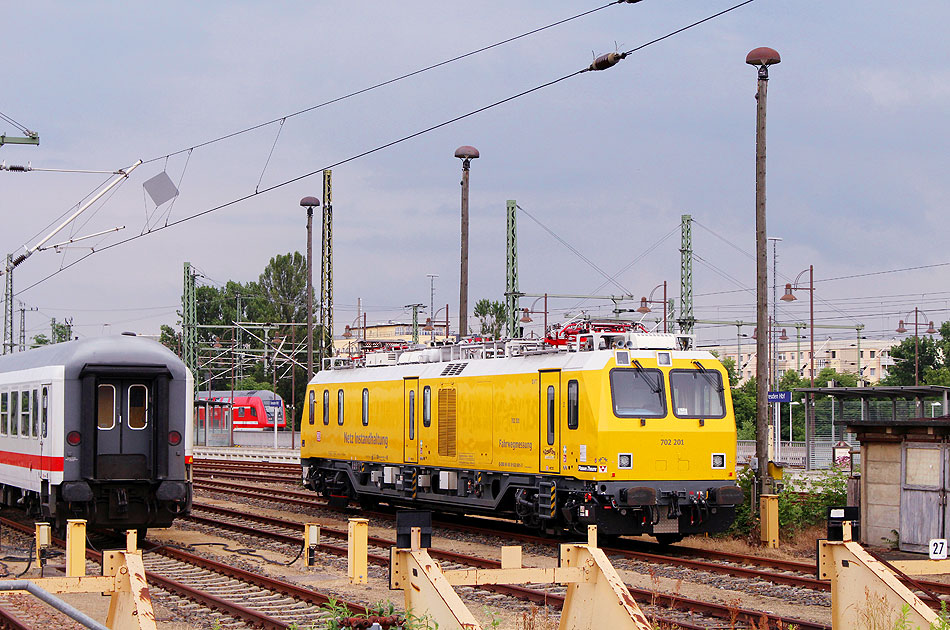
(379, 147)
(388, 81)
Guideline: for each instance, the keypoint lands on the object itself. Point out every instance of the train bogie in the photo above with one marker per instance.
(635, 440)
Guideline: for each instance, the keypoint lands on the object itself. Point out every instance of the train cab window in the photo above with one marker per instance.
(637, 393)
(25, 414)
(339, 407)
(14, 424)
(697, 394)
(3, 413)
(44, 412)
(35, 414)
(312, 401)
(426, 406)
(106, 406)
(365, 407)
(138, 406)
(572, 405)
(550, 414)
(326, 406)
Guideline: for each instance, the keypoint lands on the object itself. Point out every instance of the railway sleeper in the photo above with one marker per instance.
(668, 510)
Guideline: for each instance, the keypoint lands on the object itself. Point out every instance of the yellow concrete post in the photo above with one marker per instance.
(356, 550)
(42, 541)
(768, 518)
(311, 541)
(75, 547)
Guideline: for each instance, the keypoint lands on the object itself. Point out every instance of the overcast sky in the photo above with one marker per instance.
(857, 155)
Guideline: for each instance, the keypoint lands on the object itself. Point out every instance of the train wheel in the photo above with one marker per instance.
(668, 539)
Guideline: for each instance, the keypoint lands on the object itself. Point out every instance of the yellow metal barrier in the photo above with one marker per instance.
(356, 555)
(311, 541)
(596, 597)
(865, 593)
(75, 548)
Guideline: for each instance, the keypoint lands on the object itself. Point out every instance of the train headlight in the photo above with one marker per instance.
(174, 438)
(73, 438)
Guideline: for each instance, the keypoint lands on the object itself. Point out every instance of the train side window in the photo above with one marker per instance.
(313, 405)
(106, 406)
(35, 414)
(426, 406)
(14, 423)
(253, 411)
(3, 413)
(138, 406)
(326, 406)
(550, 414)
(240, 412)
(25, 414)
(44, 412)
(572, 405)
(339, 407)
(365, 407)
(412, 414)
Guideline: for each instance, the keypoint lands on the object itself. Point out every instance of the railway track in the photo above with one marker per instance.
(670, 609)
(230, 597)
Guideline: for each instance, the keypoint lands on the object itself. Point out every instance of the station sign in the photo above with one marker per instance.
(274, 402)
(780, 397)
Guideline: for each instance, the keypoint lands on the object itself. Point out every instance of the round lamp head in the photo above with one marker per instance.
(784, 335)
(643, 306)
(789, 296)
(309, 202)
(931, 330)
(466, 152)
(763, 57)
(526, 318)
(900, 327)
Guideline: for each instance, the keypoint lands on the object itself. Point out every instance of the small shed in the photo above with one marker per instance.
(905, 462)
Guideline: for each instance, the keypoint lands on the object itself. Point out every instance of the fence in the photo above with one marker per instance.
(794, 454)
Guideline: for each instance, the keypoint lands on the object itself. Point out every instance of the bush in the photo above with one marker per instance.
(800, 505)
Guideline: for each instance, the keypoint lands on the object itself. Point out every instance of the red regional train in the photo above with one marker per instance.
(251, 409)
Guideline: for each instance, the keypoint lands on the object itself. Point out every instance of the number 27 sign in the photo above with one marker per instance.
(938, 549)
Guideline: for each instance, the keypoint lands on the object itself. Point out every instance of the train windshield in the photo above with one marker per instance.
(697, 393)
(637, 393)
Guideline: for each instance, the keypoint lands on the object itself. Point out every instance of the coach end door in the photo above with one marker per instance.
(411, 420)
(549, 420)
(123, 431)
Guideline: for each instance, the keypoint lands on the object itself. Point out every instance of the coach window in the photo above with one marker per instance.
(313, 405)
(240, 412)
(253, 411)
(365, 407)
(44, 411)
(339, 407)
(426, 406)
(572, 406)
(25, 414)
(138, 406)
(3, 413)
(13, 413)
(35, 414)
(326, 406)
(106, 414)
(550, 414)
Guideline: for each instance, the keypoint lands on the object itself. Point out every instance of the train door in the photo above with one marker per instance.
(549, 420)
(411, 416)
(123, 435)
(45, 450)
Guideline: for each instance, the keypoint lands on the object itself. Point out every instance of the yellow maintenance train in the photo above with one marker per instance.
(627, 430)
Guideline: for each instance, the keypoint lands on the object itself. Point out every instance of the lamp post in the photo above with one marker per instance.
(763, 58)
(430, 327)
(645, 301)
(466, 154)
(309, 203)
(526, 317)
(789, 296)
(930, 331)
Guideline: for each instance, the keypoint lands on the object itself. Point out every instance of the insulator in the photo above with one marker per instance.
(19, 168)
(606, 61)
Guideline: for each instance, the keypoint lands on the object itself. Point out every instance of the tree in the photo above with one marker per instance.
(491, 316)
(929, 358)
(170, 339)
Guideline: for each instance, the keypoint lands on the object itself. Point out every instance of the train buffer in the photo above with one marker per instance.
(596, 596)
(123, 579)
